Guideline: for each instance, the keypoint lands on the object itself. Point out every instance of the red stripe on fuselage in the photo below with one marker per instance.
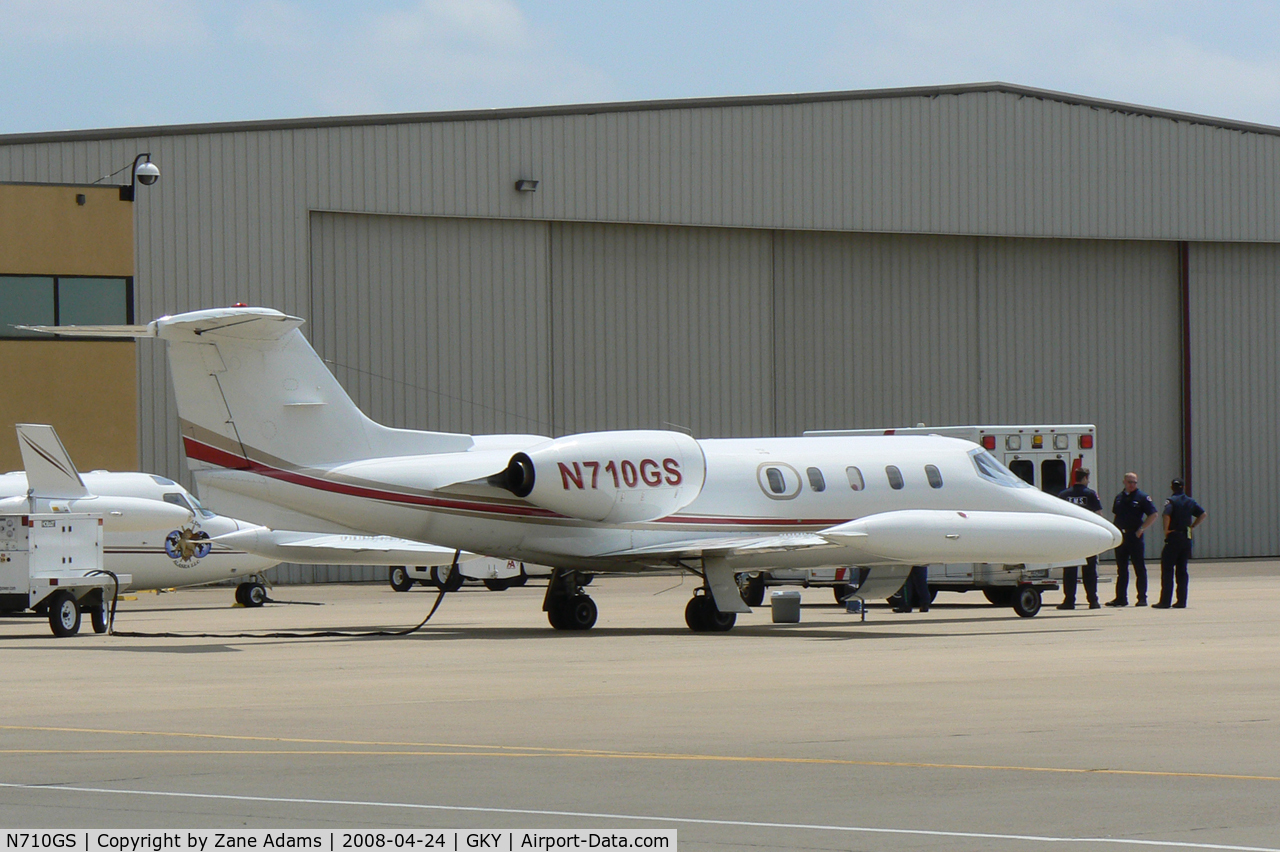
(201, 451)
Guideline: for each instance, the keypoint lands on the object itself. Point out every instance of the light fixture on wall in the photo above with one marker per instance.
(144, 172)
(526, 185)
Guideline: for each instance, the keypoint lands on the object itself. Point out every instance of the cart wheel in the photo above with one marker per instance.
(498, 584)
(1026, 601)
(64, 614)
(99, 617)
(399, 578)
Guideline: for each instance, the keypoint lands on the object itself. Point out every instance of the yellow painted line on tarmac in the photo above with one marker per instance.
(419, 749)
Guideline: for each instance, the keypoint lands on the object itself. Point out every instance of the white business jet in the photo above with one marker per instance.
(160, 534)
(270, 434)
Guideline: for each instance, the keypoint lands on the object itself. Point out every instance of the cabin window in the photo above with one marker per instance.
(934, 476)
(855, 478)
(779, 481)
(895, 477)
(816, 481)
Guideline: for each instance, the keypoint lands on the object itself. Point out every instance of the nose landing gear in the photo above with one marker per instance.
(566, 605)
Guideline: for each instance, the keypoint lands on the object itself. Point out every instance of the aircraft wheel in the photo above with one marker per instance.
(98, 615)
(581, 612)
(64, 614)
(400, 579)
(498, 584)
(251, 594)
(752, 589)
(695, 615)
(842, 591)
(585, 579)
(1000, 596)
(1026, 601)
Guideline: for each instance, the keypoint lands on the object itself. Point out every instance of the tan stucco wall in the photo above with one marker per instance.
(44, 232)
(88, 390)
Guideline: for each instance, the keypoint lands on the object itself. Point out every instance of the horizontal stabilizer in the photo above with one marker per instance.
(128, 331)
(307, 548)
(50, 471)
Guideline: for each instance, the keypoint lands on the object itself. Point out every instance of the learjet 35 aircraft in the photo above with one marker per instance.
(270, 434)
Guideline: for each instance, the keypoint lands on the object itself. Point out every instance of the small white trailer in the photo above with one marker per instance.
(53, 563)
(496, 574)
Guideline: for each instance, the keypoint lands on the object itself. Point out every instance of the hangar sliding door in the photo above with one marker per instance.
(1235, 392)
(434, 323)
(1083, 330)
(662, 327)
(875, 331)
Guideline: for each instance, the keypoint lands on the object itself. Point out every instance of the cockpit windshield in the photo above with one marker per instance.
(990, 469)
(204, 513)
(189, 502)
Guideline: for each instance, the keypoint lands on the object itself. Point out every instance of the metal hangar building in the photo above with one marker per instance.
(743, 266)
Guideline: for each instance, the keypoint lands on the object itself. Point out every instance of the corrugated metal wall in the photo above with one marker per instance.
(1235, 389)
(776, 324)
(658, 327)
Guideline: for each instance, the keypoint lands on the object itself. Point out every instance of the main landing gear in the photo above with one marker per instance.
(566, 605)
(702, 616)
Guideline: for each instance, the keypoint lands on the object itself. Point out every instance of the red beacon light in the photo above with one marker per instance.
(239, 305)
(988, 442)
(1086, 442)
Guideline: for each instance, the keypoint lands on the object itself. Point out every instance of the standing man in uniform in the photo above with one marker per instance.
(1181, 516)
(1082, 495)
(1134, 513)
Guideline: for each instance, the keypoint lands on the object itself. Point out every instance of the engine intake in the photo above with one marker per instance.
(610, 477)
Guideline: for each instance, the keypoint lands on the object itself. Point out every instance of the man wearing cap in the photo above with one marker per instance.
(1181, 516)
(1134, 513)
(1085, 497)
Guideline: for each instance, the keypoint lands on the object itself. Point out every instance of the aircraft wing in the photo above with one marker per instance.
(308, 548)
(728, 545)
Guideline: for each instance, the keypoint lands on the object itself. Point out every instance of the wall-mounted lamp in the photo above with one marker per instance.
(525, 185)
(144, 172)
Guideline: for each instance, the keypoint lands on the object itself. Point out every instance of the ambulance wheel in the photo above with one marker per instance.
(98, 615)
(64, 614)
(1026, 601)
(842, 591)
(752, 589)
(447, 577)
(1002, 596)
(498, 584)
(399, 578)
(251, 594)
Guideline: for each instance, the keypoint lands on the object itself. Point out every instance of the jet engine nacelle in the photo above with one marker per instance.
(610, 477)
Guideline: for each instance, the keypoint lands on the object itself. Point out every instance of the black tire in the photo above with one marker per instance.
(255, 594)
(842, 591)
(1026, 601)
(556, 616)
(522, 579)
(580, 612)
(448, 577)
(752, 589)
(497, 584)
(64, 614)
(695, 615)
(399, 578)
(98, 615)
(1001, 595)
(585, 579)
(240, 594)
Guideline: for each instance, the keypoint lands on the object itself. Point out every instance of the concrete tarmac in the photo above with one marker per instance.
(965, 728)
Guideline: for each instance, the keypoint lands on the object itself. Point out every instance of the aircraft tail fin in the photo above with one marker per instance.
(252, 393)
(50, 471)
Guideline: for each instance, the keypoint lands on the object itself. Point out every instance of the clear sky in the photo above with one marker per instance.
(71, 64)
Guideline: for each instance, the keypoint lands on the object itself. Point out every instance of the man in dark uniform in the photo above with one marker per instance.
(1134, 513)
(1181, 516)
(1082, 495)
